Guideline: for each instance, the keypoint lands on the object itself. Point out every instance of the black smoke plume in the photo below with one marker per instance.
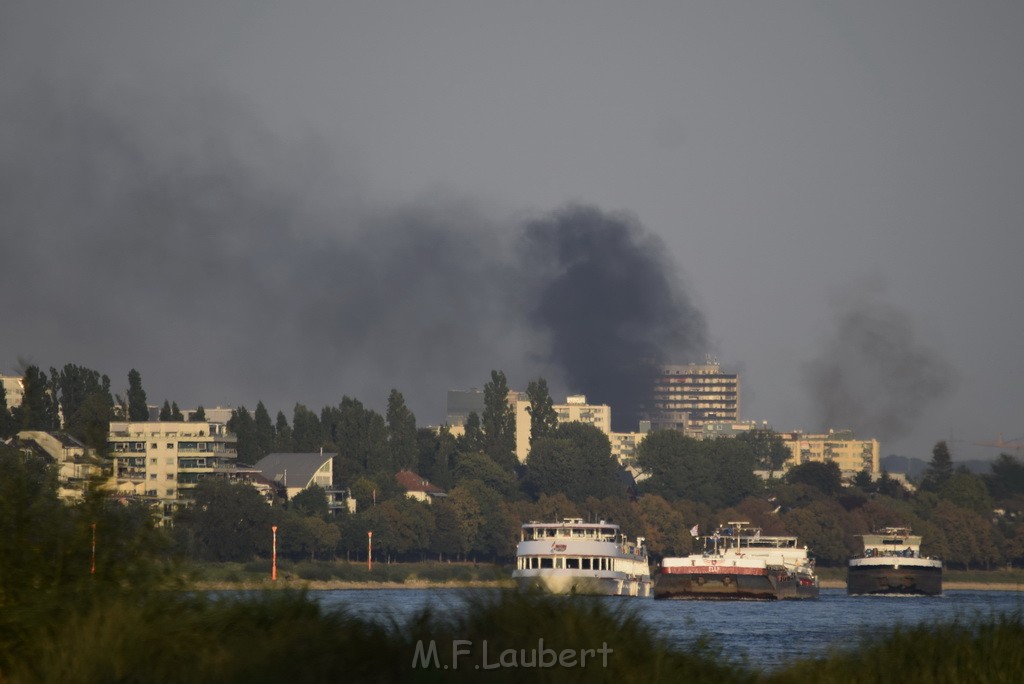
(173, 234)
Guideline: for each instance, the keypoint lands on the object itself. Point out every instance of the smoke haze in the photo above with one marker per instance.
(872, 373)
(174, 235)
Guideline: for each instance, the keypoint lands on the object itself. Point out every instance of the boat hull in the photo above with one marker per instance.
(894, 578)
(568, 583)
(763, 585)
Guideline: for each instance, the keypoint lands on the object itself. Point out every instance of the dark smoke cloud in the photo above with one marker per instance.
(175, 235)
(873, 374)
(614, 312)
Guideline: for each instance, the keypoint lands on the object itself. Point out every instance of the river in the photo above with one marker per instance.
(764, 634)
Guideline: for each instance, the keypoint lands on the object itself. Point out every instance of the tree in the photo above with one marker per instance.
(717, 472)
(824, 476)
(770, 452)
(138, 410)
(86, 403)
(264, 430)
(75, 386)
(401, 424)
(437, 455)
(229, 522)
(38, 410)
(543, 418)
(360, 435)
(283, 441)
(7, 428)
(939, 469)
(820, 525)
(165, 412)
(666, 530)
(478, 467)
(199, 416)
(966, 490)
(176, 415)
(306, 430)
(241, 424)
(310, 501)
(498, 422)
(1007, 478)
(473, 438)
(577, 461)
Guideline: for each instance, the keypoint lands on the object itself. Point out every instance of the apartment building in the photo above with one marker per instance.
(685, 397)
(163, 461)
(838, 446)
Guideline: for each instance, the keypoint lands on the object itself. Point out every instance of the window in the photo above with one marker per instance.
(170, 492)
(170, 445)
(152, 476)
(152, 445)
(170, 476)
(153, 460)
(546, 563)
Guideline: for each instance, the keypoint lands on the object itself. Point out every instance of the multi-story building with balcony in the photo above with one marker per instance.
(838, 446)
(163, 461)
(686, 397)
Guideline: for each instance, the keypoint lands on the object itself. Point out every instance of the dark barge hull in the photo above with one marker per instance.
(733, 587)
(882, 579)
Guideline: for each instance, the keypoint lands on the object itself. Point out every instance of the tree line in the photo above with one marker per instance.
(967, 519)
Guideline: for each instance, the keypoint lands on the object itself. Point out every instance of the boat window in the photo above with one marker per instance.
(546, 562)
(558, 562)
(572, 563)
(586, 564)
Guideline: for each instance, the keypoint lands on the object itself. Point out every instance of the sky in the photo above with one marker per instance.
(295, 202)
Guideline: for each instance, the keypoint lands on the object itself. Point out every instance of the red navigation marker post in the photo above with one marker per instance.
(369, 551)
(273, 556)
(93, 571)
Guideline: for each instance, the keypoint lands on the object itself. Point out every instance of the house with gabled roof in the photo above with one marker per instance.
(417, 487)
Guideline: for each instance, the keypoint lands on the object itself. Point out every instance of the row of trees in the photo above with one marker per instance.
(690, 481)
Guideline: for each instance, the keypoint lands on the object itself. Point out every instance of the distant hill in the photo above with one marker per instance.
(914, 468)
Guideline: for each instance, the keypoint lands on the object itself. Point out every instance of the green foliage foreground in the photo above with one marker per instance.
(285, 636)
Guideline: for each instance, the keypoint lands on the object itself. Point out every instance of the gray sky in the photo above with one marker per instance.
(297, 201)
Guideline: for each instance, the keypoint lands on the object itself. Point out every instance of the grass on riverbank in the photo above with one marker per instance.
(285, 636)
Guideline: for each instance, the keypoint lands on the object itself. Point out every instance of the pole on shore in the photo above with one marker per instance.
(273, 556)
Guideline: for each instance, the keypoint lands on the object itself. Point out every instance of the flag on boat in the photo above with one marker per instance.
(757, 535)
(695, 530)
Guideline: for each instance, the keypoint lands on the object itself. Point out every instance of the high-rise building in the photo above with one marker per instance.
(686, 397)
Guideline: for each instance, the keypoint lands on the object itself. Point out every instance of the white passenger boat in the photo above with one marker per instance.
(574, 557)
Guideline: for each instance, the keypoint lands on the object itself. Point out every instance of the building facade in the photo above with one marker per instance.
(13, 388)
(163, 461)
(686, 397)
(838, 446)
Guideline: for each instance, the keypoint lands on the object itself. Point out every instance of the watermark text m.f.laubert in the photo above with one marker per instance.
(466, 653)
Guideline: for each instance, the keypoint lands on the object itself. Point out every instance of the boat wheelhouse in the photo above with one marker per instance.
(575, 557)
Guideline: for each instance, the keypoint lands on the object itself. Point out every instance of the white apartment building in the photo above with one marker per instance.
(163, 461)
